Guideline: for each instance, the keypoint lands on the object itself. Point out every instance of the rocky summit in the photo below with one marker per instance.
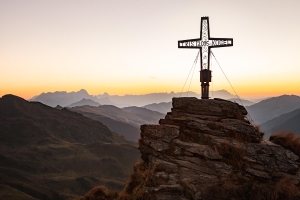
(208, 149)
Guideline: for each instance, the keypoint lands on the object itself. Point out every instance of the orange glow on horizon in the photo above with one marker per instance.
(244, 91)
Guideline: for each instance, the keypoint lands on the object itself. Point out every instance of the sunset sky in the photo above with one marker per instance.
(130, 47)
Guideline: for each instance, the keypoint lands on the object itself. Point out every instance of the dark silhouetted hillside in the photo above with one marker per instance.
(34, 120)
(286, 122)
(47, 153)
(273, 107)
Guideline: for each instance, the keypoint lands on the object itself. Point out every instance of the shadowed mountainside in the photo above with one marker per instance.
(130, 132)
(47, 153)
(286, 122)
(21, 119)
(124, 121)
(273, 107)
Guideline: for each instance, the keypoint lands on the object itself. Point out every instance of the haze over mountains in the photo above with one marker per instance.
(50, 153)
(260, 112)
(273, 107)
(84, 102)
(124, 121)
(64, 99)
(47, 153)
(163, 107)
(242, 101)
(142, 100)
(286, 122)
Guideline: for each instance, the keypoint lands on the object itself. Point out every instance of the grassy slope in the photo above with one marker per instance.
(7, 192)
(47, 153)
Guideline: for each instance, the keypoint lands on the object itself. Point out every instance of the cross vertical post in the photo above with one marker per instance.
(205, 43)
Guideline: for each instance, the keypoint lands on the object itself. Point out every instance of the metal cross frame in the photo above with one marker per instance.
(205, 43)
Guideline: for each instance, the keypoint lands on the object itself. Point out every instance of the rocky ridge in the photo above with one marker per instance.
(207, 149)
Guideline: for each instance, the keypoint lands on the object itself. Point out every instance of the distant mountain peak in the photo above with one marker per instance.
(56, 92)
(83, 91)
(59, 107)
(63, 98)
(84, 102)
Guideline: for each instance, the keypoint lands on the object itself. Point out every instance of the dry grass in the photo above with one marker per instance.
(238, 187)
(97, 193)
(188, 192)
(142, 177)
(232, 155)
(288, 140)
(100, 193)
(257, 127)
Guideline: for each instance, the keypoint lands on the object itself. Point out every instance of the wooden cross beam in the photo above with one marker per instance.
(205, 43)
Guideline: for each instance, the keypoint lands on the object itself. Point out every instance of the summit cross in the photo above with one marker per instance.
(205, 43)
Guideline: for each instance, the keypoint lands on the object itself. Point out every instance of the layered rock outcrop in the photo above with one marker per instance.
(207, 149)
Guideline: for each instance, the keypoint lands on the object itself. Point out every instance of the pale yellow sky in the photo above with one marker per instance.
(130, 47)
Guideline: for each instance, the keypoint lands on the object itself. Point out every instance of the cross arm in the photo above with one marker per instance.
(192, 43)
(221, 42)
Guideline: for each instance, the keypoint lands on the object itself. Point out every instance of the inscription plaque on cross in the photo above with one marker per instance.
(205, 43)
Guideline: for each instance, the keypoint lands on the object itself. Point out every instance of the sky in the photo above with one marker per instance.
(130, 47)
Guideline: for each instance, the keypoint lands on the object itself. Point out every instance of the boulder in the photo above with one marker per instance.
(208, 145)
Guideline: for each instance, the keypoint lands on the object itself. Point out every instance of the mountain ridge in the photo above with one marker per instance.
(64, 98)
(84, 102)
(273, 107)
(119, 114)
(288, 122)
